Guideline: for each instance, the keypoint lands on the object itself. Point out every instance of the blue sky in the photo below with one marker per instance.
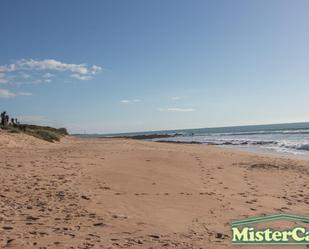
(118, 66)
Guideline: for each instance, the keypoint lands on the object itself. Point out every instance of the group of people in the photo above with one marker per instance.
(5, 120)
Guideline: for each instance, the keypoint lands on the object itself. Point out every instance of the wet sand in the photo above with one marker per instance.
(121, 193)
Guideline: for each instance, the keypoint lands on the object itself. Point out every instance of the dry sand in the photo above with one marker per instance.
(117, 193)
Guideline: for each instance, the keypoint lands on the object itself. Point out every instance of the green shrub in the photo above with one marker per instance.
(46, 135)
(13, 130)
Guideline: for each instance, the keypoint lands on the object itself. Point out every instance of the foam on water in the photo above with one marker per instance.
(292, 138)
(282, 138)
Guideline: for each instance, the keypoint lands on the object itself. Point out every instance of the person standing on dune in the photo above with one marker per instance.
(3, 115)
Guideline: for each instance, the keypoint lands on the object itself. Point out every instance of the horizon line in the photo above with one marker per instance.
(181, 129)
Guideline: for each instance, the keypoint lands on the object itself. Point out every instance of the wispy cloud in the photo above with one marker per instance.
(23, 94)
(128, 101)
(175, 109)
(4, 93)
(3, 79)
(48, 75)
(54, 65)
(24, 75)
(7, 68)
(81, 77)
(25, 68)
(30, 71)
(175, 98)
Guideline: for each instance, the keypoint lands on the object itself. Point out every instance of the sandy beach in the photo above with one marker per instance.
(121, 193)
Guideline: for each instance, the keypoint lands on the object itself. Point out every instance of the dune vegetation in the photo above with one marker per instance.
(46, 133)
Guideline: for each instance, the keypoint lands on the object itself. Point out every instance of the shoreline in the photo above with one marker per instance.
(251, 150)
(116, 193)
(297, 153)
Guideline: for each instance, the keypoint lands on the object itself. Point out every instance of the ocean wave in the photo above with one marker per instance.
(219, 141)
(304, 147)
(239, 142)
(277, 145)
(295, 146)
(291, 140)
(273, 144)
(266, 132)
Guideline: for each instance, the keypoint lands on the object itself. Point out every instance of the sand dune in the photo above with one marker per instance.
(117, 193)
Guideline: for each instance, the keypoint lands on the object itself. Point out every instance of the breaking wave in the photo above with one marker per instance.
(287, 142)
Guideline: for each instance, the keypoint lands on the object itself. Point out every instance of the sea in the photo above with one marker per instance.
(288, 138)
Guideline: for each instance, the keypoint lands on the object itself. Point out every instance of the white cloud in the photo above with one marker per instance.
(30, 71)
(95, 69)
(7, 68)
(24, 94)
(4, 93)
(48, 75)
(25, 76)
(38, 81)
(81, 77)
(175, 98)
(125, 101)
(128, 101)
(3, 80)
(176, 109)
(51, 64)
(79, 71)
